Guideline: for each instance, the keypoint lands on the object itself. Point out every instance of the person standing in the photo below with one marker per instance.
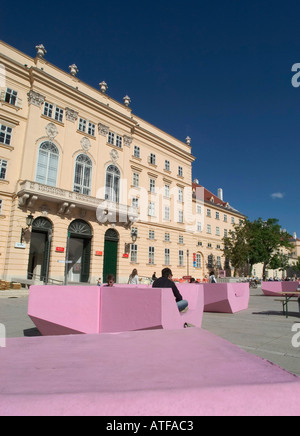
(212, 278)
(165, 281)
(133, 278)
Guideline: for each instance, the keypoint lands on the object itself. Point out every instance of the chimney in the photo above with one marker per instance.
(220, 194)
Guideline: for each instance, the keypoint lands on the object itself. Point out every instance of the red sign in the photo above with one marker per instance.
(60, 249)
(125, 255)
(99, 253)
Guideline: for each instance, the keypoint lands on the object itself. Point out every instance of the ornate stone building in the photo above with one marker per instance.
(88, 188)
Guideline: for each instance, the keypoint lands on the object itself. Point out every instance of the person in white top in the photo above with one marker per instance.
(212, 278)
(133, 278)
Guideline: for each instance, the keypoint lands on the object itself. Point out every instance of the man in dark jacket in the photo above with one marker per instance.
(165, 281)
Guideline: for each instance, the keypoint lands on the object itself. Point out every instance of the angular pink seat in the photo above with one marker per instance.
(273, 288)
(61, 310)
(186, 372)
(226, 297)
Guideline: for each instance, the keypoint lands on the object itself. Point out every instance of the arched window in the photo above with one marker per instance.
(112, 183)
(83, 175)
(47, 164)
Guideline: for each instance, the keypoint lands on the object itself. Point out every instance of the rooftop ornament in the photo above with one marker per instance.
(188, 140)
(126, 100)
(73, 70)
(103, 87)
(40, 51)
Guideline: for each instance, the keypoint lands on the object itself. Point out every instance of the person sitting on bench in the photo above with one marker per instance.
(165, 281)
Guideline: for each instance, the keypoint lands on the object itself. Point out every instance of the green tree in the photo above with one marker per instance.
(279, 261)
(296, 266)
(255, 242)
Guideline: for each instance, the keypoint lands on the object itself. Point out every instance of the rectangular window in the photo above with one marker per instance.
(167, 256)
(3, 167)
(208, 212)
(180, 258)
(180, 239)
(167, 237)
(133, 253)
(167, 165)
(11, 96)
(91, 129)
(199, 227)
(151, 208)
(86, 126)
(136, 151)
(180, 171)
(208, 228)
(114, 139)
(151, 234)
(210, 261)
(152, 159)
(111, 138)
(219, 262)
(225, 233)
(180, 195)
(135, 202)
(198, 260)
(217, 215)
(167, 191)
(119, 141)
(218, 231)
(5, 134)
(180, 216)
(59, 114)
(48, 109)
(151, 255)
(225, 218)
(152, 185)
(53, 111)
(199, 209)
(166, 213)
(135, 179)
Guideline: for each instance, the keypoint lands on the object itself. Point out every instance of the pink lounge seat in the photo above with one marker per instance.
(61, 310)
(226, 297)
(186, 372)
(273, 288)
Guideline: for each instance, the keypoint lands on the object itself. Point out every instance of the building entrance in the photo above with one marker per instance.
(111, 241)
(78, 252)
(39, 253)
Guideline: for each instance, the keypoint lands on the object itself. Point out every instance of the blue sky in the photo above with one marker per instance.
(219, 72)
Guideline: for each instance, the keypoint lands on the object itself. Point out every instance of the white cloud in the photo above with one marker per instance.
(277, 195)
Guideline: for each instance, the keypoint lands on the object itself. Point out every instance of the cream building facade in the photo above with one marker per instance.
(103, 191)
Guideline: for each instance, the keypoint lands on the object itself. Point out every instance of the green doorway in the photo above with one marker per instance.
(111, 241)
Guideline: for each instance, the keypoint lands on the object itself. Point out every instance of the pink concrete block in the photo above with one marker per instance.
(187, 372)
(60, 310)
(274, 287)
(226, 297)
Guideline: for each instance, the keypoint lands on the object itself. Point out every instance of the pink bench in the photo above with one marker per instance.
(274, 288)
(226, 297)
(186, 373)
(61, 310)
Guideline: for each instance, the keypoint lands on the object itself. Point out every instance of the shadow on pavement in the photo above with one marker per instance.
(32, 332)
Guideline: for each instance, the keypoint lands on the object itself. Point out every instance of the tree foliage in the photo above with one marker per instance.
(256, 242)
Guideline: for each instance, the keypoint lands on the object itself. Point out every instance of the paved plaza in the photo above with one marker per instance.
(262, 329)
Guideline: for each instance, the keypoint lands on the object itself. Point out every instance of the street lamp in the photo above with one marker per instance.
(133, 234)
(29, 220)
